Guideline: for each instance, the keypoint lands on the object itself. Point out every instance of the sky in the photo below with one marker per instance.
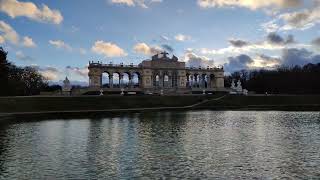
(60, 37)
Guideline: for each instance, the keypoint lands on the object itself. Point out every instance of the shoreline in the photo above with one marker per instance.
(301, 108)
(64, 106)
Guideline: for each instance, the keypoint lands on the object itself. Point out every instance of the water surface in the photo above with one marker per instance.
(193, 144)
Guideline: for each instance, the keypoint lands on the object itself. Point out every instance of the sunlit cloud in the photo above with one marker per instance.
(14, 8)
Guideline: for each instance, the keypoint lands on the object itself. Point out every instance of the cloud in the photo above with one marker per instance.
(238, 42)
(166, 38)
(194, 60)
(60, 44)
(251, 4)
(316, 42)
(78, 71)
(238, 63)
(275, 38)
(28, 42)
(295, 20)
(145, 49)
(181, 37)
(54, 74)
(8, 33)
(48, 72)
(108, 49)
(294, 56)
(14, 8)
(132, 3)
(289, 57)
(2, 40)
(272, 41)
(265, 61)
(21, 56)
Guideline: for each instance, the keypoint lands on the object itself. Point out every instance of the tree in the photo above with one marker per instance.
(4, 67)
(284, 80)
(17, 81)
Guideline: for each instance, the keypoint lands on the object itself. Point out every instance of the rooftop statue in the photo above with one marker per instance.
(163, 56)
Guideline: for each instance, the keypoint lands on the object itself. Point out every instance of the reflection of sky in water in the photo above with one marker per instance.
(198, 144)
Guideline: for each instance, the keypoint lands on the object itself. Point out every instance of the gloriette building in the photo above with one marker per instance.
(161, 74)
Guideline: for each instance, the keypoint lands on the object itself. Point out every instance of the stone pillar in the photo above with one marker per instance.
(111, 81)
(203, 79)
(130, 81)
(192, 83)
(161, 81)
(196, 81)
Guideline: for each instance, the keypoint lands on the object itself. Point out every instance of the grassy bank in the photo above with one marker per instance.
(35, 104)
(279, 102)
(91, 103)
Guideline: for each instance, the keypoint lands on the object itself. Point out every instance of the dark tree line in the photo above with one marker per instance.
(18, 81)
(284, 80)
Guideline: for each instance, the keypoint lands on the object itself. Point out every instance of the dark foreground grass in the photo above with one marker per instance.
(40, 104)
(278, 102)
(37, 104)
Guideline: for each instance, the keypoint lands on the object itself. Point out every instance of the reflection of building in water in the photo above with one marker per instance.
(159, 73)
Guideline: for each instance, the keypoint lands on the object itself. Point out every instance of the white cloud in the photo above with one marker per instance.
(181, 37)
(266, 62)
(272, 42)
(194, 60)
(251, 4)
(60, 44)
(145, 49)
(108, 49)
(14, 8)
(83, 72)
(2, 40)
(21, 56)
(28, 42)
(296, 20)
(8, 33)
(141, 3)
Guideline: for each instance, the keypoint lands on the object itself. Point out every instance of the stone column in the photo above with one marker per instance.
(203, 84)
(130, 81)
(161, 81)
(110, 81)
(192, 83)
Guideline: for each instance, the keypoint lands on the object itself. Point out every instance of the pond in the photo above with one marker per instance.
(190, 144)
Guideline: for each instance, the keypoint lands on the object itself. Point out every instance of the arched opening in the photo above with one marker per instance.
(136, 79)
(116, 80)
(204, 81)
(166, 82)
(156, 80)
(196, 80)
(125, 80)
(105, 81)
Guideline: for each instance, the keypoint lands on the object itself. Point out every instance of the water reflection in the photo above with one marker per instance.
(194, 144)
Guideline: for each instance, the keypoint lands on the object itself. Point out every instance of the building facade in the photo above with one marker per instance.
(161, 74)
